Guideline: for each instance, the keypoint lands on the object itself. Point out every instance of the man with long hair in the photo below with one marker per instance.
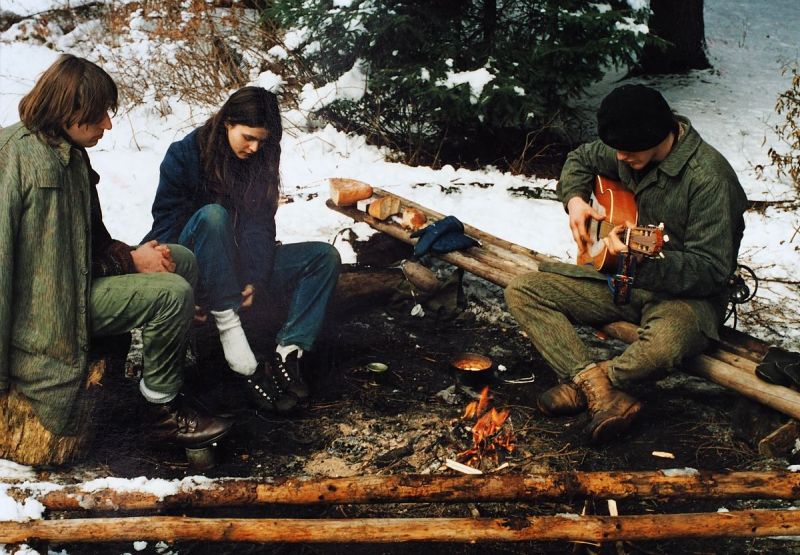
(64, 279)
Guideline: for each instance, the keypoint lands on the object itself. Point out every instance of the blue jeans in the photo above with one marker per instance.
(306, 271)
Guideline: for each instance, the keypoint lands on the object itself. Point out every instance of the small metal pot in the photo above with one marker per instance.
(472, 369)
(378, 371)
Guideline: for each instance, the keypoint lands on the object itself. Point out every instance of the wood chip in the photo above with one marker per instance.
(455, 465)
(663, 455)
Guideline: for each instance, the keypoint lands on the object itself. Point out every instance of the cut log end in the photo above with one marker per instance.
(23, 438)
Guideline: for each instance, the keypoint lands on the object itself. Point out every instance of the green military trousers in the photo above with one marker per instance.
(546, 305)
(162, 304)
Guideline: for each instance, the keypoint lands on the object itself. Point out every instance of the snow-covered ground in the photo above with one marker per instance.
(732, 106)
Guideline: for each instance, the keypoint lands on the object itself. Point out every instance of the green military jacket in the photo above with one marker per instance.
(45, 273)
(695, 193)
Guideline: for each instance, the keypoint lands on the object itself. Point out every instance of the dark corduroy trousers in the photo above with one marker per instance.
(547, 305)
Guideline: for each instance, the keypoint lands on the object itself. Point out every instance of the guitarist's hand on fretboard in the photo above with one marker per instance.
(580, 212)
(614, 241)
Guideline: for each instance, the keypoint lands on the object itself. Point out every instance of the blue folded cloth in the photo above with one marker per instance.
(441, 237)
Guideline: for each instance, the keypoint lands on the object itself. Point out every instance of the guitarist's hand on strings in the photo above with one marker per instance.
(579, 213)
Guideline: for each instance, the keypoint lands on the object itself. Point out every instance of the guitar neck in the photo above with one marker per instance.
(604, 228)
(646, 240)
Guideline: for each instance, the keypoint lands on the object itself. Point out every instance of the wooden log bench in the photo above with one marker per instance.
(23, 438)
(730, 362)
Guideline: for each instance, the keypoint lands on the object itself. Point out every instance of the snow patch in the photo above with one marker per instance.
(155, 486)
(270, 81)
(673, 472)
(476, 80)
(11, 471)
(350, 86)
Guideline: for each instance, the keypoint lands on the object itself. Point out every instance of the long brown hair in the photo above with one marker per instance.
(252, 184)
(72, 90)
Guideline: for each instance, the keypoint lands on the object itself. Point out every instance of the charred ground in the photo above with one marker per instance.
(401, 422)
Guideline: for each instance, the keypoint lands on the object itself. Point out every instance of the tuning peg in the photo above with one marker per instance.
(665, 236)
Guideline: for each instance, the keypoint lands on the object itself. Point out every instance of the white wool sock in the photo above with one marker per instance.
(234, 342)
(155, 396)
(286, 350)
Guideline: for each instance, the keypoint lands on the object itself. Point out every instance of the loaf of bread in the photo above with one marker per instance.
(347, 192)
(364, 203)
(412, 218)
(384, 207)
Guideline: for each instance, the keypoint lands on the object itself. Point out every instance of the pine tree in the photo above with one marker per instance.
(461, 72)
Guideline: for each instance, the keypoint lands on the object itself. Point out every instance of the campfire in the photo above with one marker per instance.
(491, 437)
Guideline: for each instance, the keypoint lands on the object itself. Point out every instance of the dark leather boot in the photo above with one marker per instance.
(180, 423)
(562, 400)
(289, 375)
(612, 411)
(266, 393)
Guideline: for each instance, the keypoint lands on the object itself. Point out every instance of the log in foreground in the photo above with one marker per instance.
(667, 484)
(568, 527)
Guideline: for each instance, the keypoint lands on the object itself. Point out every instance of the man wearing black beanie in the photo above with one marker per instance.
(677, 301)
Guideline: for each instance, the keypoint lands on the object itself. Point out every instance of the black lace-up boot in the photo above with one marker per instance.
(266, 392)
(289, 375)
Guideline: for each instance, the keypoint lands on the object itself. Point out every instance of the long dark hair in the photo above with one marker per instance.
(248, 185)
(72, 90)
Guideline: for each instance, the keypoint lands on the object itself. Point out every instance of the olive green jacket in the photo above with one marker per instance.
(695, 193)
(45, 272)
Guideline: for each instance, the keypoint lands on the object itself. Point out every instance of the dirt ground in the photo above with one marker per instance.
(404, 421)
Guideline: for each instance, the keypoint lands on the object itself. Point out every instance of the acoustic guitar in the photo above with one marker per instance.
(611, 199)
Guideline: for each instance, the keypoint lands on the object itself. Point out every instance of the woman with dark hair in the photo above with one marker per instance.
(217, 195)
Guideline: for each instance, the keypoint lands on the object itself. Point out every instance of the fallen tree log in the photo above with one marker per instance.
(23, 437)
(568, 527)
(667, 484)
(730, 362)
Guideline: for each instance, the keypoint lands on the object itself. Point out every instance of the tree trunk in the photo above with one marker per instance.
(23, 438)
(489, 26)
(569, 527)
(681, 25)
(405, 488)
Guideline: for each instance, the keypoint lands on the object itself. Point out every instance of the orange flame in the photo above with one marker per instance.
(477, 408)
(487, 438)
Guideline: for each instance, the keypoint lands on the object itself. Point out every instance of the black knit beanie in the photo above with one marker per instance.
(634, 118)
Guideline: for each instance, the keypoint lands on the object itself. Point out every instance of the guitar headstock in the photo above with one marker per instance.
(646, 240)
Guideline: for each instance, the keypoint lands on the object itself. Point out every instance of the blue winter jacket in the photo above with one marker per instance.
(181, 193)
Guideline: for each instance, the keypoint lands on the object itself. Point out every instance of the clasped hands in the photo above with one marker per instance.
(580, 212)
(151, 257)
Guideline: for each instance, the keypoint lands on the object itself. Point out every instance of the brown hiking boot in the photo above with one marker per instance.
(562, 400)
(612, 411)
(181, 423)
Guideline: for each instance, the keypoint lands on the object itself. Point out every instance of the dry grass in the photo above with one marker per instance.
(788, 105)
(190, 50)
